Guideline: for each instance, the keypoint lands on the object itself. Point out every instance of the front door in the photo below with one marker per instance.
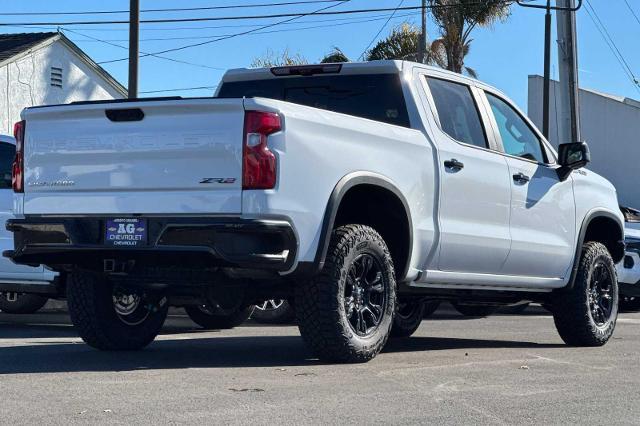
(542, 206)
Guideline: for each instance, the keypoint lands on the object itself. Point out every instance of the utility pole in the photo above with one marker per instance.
(423, 35)
(547, 71)
(134, 49)
(569, 125)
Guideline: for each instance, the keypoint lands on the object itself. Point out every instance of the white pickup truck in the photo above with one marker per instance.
(23, 289)
(359, 191)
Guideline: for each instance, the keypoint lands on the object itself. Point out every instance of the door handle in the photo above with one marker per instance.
(454, 165)
(521, 178)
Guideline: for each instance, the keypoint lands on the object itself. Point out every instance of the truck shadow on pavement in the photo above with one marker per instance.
(204, 352)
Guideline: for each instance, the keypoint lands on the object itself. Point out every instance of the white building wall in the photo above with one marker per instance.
(611, 127)
(27, 82)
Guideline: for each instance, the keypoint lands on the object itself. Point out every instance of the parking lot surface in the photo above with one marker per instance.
(497, 370)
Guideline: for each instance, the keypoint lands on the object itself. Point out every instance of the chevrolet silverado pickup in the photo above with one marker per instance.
(358, 191)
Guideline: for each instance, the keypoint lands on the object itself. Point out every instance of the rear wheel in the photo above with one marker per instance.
(345, 313)
(111, 318)
(478, 311)
(586, 315)
(21, 303)
(407, 318)
(211, 318)
(274, 311)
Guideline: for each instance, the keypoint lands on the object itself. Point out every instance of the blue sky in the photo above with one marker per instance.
(503, 55)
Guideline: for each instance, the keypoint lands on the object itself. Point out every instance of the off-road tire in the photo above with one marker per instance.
(215, 321)
(320, 302)
(407, 318)
(474, 311)
(24, 304)
(90, 304)
(571, 312)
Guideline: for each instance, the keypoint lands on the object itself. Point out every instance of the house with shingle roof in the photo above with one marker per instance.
(48, 68)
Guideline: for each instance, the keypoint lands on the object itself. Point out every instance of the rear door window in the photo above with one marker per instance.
(377, 97)
(457, 111)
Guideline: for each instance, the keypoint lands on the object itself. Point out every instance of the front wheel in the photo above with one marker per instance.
(111, 318)
(345, 313)
(586, 315)
(217, 319)
(21, 303)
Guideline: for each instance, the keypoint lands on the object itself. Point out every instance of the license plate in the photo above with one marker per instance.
(126, 232)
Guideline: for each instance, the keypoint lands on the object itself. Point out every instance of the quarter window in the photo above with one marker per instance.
(517, 137)
(458, 113)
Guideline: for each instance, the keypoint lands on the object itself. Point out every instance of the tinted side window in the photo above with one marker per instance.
(517, 137)
(459, 116)
(7, 152)
(376, 97)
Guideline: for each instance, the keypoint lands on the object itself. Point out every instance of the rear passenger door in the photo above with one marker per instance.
(475, 192)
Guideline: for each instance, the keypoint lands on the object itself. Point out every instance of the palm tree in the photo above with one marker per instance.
(402, 43)
(456, 19)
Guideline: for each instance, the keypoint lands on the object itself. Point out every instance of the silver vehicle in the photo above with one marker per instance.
(629, 268)
(23, 289)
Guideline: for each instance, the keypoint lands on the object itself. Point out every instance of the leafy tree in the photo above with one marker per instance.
(278, 59)
(335, 56)
(456, 19)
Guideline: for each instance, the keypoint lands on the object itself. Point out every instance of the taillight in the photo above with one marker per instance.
(258, 162)
(17, 171)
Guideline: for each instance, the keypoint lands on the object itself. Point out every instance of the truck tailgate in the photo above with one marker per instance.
(160, 156)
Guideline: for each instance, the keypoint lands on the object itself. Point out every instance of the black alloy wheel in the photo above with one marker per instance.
(364, 295)
(600, 294)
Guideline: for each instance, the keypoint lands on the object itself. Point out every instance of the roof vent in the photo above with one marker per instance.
(56, 77)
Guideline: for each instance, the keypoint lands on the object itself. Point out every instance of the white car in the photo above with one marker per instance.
(629, 268)
(23, 289)
(360, 190)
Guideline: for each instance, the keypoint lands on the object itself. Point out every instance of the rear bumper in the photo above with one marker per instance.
(172, 241)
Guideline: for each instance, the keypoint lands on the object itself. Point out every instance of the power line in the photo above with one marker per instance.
(612, 45)
(234, 35)
(209, 37)
(381, 29)
(149, 54)
(182, 9)
(228, 18)
(207, 27)
(298, 16)
(632, 11)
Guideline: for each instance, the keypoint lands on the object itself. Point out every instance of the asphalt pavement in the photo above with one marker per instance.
(498, 370)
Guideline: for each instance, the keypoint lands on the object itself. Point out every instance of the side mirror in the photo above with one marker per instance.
(572, 156)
